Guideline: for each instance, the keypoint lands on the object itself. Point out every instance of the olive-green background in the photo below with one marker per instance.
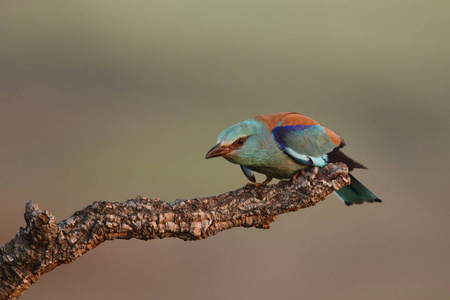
(106, 100)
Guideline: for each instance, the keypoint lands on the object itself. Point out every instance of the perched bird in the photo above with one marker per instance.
(280, 145)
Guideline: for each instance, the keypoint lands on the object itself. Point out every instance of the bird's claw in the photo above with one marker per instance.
(257, 184)
(294, 177)
(251, 184)
(265, 182)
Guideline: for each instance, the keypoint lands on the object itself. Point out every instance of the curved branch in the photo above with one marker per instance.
(43, 244)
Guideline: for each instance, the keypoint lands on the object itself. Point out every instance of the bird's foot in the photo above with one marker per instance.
(251, 185)
(268, 179)
(257, 184)
(294, 177)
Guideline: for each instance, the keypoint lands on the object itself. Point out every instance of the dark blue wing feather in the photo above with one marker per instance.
(308, 144)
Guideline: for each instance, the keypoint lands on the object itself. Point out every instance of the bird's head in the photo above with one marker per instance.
(239, 142)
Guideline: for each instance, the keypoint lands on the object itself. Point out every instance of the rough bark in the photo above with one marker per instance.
(45, 244)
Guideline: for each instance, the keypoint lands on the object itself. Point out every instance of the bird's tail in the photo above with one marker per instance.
(356, 193)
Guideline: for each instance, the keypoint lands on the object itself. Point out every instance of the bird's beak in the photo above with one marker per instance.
(217, 150)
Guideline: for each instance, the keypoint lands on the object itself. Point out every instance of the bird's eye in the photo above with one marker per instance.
(240, 141)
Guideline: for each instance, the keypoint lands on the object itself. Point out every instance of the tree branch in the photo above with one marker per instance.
(43, 244)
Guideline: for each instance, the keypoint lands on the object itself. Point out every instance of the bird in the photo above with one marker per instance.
(282, 144)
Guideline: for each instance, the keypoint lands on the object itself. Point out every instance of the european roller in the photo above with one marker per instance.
(280, 145)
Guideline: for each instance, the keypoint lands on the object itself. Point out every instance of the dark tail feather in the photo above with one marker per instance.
(338, 156)
(356, 193)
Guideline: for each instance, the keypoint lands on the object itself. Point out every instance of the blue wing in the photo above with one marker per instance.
(305, 140)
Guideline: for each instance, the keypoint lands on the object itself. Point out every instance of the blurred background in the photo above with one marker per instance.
(106, 100)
